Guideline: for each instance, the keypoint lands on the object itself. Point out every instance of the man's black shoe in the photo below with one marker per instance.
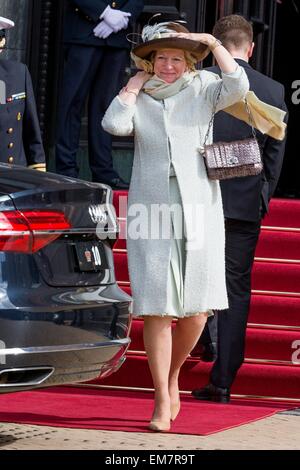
(212, 393)
(118, 183)
(209, 353)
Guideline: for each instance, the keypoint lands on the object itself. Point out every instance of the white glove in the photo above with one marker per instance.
(116, 19)
(102, 30)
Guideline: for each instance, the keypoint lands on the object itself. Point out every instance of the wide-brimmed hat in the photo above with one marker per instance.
(5, 23)
(159, 36)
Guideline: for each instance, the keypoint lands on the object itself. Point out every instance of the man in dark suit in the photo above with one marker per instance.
(245, 202)
(96, 53)
(20, 136)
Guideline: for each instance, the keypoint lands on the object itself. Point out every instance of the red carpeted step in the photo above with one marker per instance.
(125, 288)
(272, 244)
(278, 277)
(276, 345)
(133, 373)
(252, 379)
(120, 202)
(121, 268)
(136, 335)
(267, 310)
(121, 241)
(279, 245)
(283, 213)
(275, 310)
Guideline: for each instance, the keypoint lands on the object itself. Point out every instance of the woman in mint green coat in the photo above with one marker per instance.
(176, 267)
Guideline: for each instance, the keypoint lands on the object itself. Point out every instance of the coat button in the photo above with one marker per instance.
(10, 130)
(114, 4)
(10, 145)
(77, 10)
(10, 159)
(19, 117)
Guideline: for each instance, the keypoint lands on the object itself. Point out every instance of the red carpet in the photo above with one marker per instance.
(261, 343)
(124, 411)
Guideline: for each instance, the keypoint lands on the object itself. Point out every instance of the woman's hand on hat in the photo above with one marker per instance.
(191, 36)
(205, 38)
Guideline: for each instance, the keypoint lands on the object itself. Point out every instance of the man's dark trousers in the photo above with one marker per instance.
(97, 72)
(241, 240)
(245, 202)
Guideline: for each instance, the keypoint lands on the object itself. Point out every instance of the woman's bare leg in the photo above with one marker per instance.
(184, 338)
(158, 345)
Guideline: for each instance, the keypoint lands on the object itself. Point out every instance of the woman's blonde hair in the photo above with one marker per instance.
(148, 65)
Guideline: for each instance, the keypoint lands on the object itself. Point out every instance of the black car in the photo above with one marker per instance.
(63, 319)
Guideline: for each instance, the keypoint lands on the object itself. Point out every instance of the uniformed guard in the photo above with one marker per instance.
(96, 53)
(20, 136)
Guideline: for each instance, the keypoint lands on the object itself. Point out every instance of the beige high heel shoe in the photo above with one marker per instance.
(175, 410)
(159, 426)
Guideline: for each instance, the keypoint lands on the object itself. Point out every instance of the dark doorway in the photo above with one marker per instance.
(285, 60)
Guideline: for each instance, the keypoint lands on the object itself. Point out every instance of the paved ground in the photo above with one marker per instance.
(278, 432)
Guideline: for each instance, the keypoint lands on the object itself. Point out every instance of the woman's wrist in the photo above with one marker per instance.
(214, 44)
(128, 89)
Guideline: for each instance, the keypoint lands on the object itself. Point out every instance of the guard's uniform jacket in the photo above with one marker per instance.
(20, 136)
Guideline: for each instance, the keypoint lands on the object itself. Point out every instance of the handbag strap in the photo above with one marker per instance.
(213, 114)
(250, 117)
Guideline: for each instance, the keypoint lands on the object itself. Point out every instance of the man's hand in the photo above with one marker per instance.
(103, 30)
(116, 19)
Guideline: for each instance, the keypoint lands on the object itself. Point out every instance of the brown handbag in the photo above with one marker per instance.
(224, 160)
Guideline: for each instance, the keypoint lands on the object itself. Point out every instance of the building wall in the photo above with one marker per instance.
(18, 11)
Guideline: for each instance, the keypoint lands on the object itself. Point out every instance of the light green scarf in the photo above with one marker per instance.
(161, 90)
